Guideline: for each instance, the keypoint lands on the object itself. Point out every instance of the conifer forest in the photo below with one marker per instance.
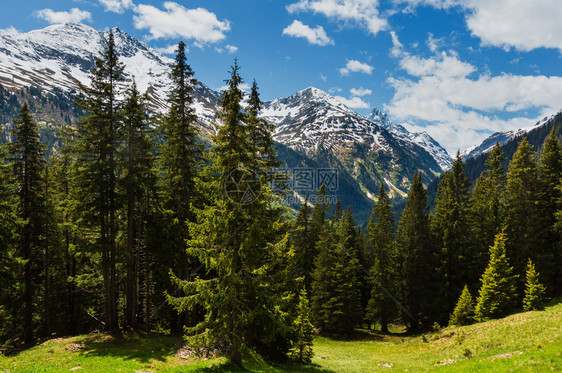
(136, 221)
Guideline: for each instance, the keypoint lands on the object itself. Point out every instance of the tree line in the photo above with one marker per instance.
(135, 223)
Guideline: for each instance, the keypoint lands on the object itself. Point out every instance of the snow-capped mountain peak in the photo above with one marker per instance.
(423, 139)
(501, 138)
(61, 56)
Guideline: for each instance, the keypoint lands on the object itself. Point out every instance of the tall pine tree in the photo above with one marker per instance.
(26, 155)
(550, 172)
(381, 307)
(522, 222)
(96, 145)
(451, 228)
(488, 206)
(497, 295)
(418, 259)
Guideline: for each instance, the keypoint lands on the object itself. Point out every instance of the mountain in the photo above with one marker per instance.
(315, 123)
(313, 129)
(422, 139)
(61, 56)
(502, 138)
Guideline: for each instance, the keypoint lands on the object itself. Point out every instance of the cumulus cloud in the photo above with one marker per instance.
(524, 25)
(231, 48)
(176, 21)
(315, 35)
(9, 31)
(353, 103)
(459, 106)
(354, 66)
(170, 49)
(360, 92)
(74, 15)
(362, 13)
(116, 6)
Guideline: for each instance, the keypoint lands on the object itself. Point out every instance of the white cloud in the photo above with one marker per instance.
(116, 6)
(459, 107)
(74, 15)
(353, 103)
(362, 13)
(524, 25)
(354, 66)
(323, 77)
(231, 48)
(170, 49)
(9, 31)
(315, 35)
(360, 92)
(176, 21)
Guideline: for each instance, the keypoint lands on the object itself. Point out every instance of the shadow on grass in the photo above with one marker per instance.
(140, 347)
(253, 366)
(359, 335)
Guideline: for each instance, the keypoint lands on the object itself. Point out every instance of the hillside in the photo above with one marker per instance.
(527, 342)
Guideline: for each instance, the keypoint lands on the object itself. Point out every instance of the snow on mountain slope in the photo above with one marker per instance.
(422, 139)
(61, 56)
(311, 119)
(500, 137)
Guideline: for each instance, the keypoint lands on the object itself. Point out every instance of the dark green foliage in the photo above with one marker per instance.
(451, 228)
(488, 207)
(242, 293)
(534, 290)
(463, 313)
(10, 266)
(336, 297)
(522, 220)
(95, 150)
(418, 293)
(497, 295)
(301, 350)
(138, 186)
(381, 308)
(26, 155)
(550, 171)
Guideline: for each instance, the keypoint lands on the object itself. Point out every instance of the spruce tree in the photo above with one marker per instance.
(10, 267)
(451, 228)
(381, 232)
(97, 137)
(522, 220)
(26, 155)
(302, 246)
(488, 206)
(180, 159)
(238, 238)
(463, 313)
(301, 350)
(498, 292)
(550, 172)
(138, 186)
(534, 290)
(418, 291)
(336, 296)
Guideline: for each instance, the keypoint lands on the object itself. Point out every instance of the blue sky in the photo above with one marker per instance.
(458, 69)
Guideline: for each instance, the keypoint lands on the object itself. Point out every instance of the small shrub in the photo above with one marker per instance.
(534, 290)
(467, 353)
(464, 310)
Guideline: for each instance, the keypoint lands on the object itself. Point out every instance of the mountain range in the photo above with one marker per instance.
(312, 128)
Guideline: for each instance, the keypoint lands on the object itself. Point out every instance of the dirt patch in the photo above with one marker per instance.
(76, 347)
(506, 355)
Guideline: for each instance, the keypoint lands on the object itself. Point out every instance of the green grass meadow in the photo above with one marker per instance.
(523, 342)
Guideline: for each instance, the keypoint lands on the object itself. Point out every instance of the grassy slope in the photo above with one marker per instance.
(530, 341)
